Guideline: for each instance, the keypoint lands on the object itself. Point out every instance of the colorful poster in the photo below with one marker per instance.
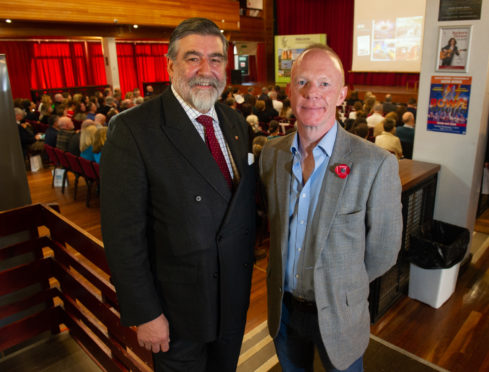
(449, 104)
(288, 48)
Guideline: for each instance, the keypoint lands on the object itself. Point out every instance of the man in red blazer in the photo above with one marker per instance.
(178, 211)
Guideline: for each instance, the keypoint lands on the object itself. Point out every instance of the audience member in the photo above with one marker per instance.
(273, 129)
(45, 108)
(51, 134)
(353, 98)
(249, 93)
(406, 132)
(379, 127)
(231, 102)
(100, 120)
(149, 91)
(87, 136)
(286, 111)
(108, 104)
(112, 112)
(92, 111)
(357, 106)
(264, 93)
(387, 140)
(98, 143)
(66, 131)
(388, 106)
(80, 113)
(30, 142)
(237, 96)
(361, 129)
(376, 117)
(277, 105)
(411, 107)
(268, 112)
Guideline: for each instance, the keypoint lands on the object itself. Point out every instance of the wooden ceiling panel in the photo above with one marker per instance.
(159, 13)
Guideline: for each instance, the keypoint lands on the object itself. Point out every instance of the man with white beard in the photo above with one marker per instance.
(178, 211)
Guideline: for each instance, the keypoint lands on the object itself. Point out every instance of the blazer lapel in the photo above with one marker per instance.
(282, 187)
(330, 194)
(187, 140)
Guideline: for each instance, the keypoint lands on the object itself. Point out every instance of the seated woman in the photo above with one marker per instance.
(387, 140)
(98, 142)
(87, 136)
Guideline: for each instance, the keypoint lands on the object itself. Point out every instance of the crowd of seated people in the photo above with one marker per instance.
(264, 112)
(379, 122)
(61, 119)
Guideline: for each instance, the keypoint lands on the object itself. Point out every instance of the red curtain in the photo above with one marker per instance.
(334, 18)
(140, 63)
(18, 56)
(96, 64)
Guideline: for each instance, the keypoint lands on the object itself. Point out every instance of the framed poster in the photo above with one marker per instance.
(449, 104)
(453, 49)
(288, 48)
(457, 10)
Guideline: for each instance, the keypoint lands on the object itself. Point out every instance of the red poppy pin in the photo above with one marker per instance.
(342, 170)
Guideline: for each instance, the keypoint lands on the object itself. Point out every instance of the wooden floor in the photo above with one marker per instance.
(455, 336)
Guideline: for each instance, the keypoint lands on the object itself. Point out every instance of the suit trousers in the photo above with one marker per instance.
(298, 336)
(221, 355)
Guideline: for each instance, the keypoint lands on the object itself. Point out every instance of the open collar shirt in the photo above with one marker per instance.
(303, 198)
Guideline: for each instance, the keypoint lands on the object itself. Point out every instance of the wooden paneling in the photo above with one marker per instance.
(150, 13)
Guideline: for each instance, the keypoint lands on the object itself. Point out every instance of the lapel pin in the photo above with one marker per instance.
(342, 170)
(236, 138)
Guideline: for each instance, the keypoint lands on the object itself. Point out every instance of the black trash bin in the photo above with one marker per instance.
(435, 252)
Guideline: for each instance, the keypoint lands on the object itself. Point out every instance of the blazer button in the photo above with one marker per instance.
(215, 275)
(198, 198)
(246, 265)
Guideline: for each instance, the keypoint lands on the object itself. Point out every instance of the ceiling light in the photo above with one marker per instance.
(8, 20)
(135, 26)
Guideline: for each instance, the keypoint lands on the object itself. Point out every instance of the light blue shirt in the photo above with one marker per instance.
(302, 205)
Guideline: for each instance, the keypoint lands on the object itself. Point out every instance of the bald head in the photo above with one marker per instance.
(408, 118)
(326, 49)
(65, 123)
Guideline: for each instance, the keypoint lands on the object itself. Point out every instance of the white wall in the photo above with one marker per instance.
(461, 156)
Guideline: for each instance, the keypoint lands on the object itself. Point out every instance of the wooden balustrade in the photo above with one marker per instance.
(69, 267)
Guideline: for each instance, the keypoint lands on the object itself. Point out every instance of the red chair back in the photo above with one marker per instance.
(52, 155)
(88, 169)
(97, 168)
(62, 158)
(74, 163)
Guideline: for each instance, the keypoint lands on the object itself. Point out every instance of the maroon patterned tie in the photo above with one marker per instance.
(213, 145)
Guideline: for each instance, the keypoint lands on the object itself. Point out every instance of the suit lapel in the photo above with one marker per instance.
(330, 194)
(188, 142)
(283, 176)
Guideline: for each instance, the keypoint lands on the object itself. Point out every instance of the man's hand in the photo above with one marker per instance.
(155, 335)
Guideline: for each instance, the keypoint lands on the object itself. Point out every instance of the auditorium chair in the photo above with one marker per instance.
(90, 174)
(76, 169)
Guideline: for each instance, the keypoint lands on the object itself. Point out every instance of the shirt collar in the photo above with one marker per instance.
(192, 113)
(326, 144)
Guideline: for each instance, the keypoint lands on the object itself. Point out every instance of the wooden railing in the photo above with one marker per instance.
(69, 267)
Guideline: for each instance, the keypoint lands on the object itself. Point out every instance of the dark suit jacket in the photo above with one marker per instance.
(177, 240)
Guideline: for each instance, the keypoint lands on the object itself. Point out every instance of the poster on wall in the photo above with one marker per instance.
(457, 10)
(453, 49)
(449, 104)
(288, 48)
